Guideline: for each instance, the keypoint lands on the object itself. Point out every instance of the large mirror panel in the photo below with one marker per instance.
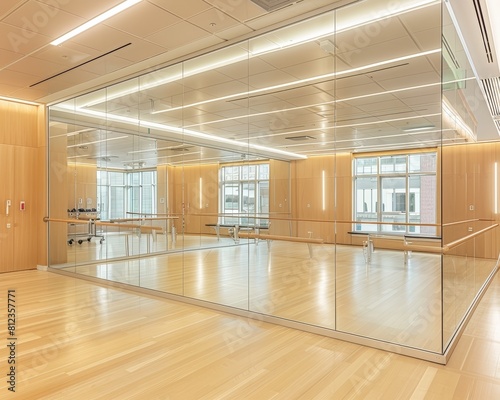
(304, 174)
(389, 118)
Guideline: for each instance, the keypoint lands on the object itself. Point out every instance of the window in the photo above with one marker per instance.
(244, 194)
(122, 192)
(396, 190)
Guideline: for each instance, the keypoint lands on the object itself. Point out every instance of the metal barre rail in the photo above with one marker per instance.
(98, 223)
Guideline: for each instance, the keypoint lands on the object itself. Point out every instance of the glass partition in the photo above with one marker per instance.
(304, 174)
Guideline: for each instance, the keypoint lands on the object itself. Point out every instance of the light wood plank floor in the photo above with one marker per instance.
(335, 289)
(79, 340)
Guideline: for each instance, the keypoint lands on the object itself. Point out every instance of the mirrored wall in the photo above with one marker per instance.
(310, 174)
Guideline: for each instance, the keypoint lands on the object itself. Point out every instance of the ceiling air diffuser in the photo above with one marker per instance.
(271, 5)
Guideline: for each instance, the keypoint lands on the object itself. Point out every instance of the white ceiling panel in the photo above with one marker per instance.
(67, 54)
(311, 68)
(234, 32)
(20, 79)
(376, 53)
(153, 19)
(423, 19)
(8, 6)
(8, 57)
(270, 79)
(417, 79)
(159, 32)
(427, 39)
(110, 64)
(213, 20)
(102, 38)
(139, 50)
(183, 9)
(243, 10)
(20, 41)
(41, 18)
(37, 67)
(178, 35)
(86, 9)
(9, 89)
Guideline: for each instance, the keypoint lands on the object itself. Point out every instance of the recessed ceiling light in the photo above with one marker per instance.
(97, 20)
(419, 128)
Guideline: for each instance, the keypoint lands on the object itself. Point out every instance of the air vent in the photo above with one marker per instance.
(271, 5)
(181, 149)
(80, 65)
(492, 90)
(102, 158)
(484, 31)
(300, 138)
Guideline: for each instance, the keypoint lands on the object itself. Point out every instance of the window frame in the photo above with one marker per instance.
(381, 174)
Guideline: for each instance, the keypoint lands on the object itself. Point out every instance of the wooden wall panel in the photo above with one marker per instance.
(82, 186)
(279, 194)
(18, 124)
(200, 208)
(307, 189)
(468, 193)
(25, 222)
(21, 127)
(6, 221)
(162, 196)
(58, 204)
(344, 200)
(42, 187)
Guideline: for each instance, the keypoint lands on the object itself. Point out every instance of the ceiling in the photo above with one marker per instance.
(373, 86)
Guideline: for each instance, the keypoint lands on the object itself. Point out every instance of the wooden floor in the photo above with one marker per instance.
(78, 340)
(335, 289)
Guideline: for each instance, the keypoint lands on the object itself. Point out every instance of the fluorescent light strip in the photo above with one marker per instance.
(97, 141)
(420, 128)
(323, 189)
(316, 105)
(79, 156)
(201, 191)
(30, 103)
(179, 131)
(348, 126)
(156, 149)
(174, 156)
(321, 104)
(387, 12)
(369, 148)
(97, 20)
(457, 120)
(496, 188)
(368, 138)
(233, 157)
(302, 81)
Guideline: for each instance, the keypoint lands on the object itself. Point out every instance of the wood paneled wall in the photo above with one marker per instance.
(199, 208)
(468, 173)
(21, 154)
(317, 201)
(58, 195)
(280, 202)
(82, 186)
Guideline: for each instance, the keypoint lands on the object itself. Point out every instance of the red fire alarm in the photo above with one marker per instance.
(22, 206)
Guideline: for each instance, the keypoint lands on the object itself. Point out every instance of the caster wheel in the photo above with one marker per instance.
(101, 241)
(80, 241)
(70, 242)
(89, 239)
